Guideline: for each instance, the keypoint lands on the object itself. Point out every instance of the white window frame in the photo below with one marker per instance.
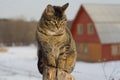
(115, 49)
(79, 28)
(90, 28)
(85, 48)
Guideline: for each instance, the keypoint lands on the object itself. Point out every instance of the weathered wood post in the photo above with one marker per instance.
(51, 73)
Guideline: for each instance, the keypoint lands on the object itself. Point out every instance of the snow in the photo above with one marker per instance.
(20, 63)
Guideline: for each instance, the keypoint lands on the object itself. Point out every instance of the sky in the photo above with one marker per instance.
(32, 9)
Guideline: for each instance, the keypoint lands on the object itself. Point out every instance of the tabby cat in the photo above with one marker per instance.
(56, 47)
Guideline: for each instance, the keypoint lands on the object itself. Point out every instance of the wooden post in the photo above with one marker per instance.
(51, 73)
(62, 75)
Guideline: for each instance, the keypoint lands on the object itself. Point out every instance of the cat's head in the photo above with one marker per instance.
(54, 18)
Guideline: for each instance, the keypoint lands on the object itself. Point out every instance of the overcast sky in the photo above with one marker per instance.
(32, 9)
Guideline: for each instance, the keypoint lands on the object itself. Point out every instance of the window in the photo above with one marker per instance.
(79, 28)
(85, 48)
(115, 50)
(90, 29)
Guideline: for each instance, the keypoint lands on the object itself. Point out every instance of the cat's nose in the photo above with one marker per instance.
(58, 26)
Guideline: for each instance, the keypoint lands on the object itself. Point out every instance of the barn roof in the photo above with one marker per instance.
(108, 32)
(107, 21)
(103, 13)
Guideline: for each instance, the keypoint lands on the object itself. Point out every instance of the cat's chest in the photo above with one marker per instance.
(54, 41)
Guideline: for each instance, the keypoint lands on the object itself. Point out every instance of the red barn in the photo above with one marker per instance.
(96, 29)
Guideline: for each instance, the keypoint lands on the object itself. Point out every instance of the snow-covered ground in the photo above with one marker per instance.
(19, 63)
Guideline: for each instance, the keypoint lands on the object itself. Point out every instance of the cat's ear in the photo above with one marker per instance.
(64, 7)
(49, 10)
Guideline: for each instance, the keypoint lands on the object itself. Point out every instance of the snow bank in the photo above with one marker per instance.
(20, 63)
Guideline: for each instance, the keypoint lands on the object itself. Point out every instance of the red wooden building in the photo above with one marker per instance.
(96, 29)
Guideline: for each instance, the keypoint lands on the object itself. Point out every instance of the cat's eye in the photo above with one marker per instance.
(52, 22)
(63, 22)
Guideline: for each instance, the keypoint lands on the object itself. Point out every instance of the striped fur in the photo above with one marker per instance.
(56, 47)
